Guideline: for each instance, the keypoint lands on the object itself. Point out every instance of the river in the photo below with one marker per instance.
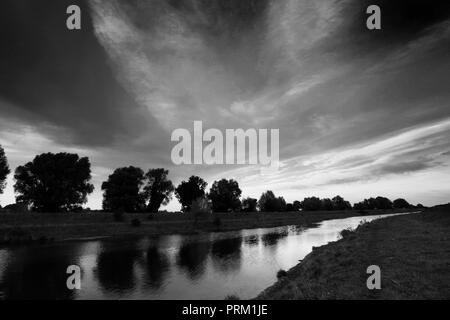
(205, 266)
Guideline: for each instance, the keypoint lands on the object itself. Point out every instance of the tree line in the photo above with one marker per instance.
(61, 183)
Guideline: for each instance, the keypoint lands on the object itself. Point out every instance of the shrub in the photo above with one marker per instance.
(136, 222)
(281, 274)
(232, 297)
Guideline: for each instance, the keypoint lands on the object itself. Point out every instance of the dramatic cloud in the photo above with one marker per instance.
(360, 112)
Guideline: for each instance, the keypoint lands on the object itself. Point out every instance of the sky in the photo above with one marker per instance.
(361, 112)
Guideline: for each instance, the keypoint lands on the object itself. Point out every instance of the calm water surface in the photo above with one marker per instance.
(207, 266)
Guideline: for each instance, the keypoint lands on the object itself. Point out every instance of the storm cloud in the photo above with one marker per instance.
(357, 109)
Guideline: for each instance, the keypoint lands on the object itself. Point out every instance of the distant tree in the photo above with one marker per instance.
(420, 206)
(400, 204)
(383, 203)
(327, 204)
(224, 195)
(269, 203)
(4, 169)
(187, 191)
(281, 204)
(340, 204)
(54, 182)
(311, 204)
(289, 207)
(296, 205)
(249, 204)
(158, 189)
(123, 190)
(361, 205)
(373, 204)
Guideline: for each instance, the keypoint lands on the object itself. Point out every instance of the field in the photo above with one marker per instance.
(27, 227)
(412, 251)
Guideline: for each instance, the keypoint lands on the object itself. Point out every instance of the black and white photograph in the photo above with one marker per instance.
(224, 150)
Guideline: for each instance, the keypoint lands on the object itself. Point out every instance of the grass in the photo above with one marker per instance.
(78, 226)
(412, 251)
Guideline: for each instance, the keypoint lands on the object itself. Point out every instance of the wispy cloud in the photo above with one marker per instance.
(358, 111)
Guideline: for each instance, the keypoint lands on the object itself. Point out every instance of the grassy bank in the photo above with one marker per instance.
(412, 251)
(27, 227)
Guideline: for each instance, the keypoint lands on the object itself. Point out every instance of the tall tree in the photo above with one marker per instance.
(188, 191)
(123, 190)
(340, 204)
(158, 189)
(269, 203)
(311, 204)
(224, 195)
(54, 182)
(4, 169)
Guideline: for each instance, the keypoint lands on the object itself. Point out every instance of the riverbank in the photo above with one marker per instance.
(412, 251)
(18, 228)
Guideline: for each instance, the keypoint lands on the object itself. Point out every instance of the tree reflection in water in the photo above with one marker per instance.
(226, 254)
(157, 267)
(192, 257)
(115, 266)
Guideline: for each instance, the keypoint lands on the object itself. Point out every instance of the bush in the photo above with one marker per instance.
(136, 222)
(150, 217)
(281, 274)
(232, 297)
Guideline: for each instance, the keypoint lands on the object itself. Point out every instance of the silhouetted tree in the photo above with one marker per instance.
(4, 169)
(400, 204)
(363, 205)
(383, 203)
(340, 204)
(158, 189)
(249, 204)
(54, 182)
(374, 203)
(187, 191)
(123, 190)
(327, 204)
(269, 203)
(224, 195)
(311, 204)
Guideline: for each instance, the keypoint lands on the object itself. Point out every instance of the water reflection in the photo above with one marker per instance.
(252, 240)
(41, 275)
(271, 239)
(207, 266)
(115, 266)
(157, 267)
(226, 254)
(192, 257)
